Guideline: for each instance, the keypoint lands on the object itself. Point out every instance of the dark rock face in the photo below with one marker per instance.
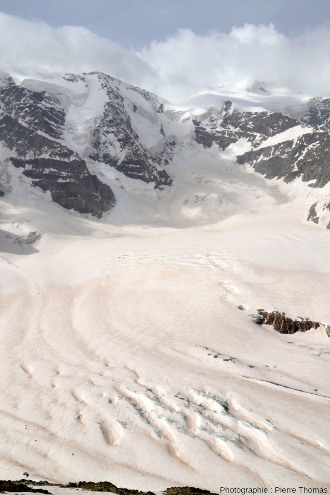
(318, 115)
(266, 124)
(70, 183)
(226, 127)
(284, 324)
(36, 110)
(308, 158)
(166, 155)
(31, 124)
(222, 138)
(132, 158)
(32, 127)
(312, 215)
(2, 194)
(19, 486)
(29, 143)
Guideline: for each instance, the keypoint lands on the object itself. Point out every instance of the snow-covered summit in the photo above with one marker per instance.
(92, 141)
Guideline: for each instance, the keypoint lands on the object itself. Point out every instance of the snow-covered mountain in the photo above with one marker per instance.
(77, 137)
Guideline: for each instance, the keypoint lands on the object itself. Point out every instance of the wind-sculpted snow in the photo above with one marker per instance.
(125, 357)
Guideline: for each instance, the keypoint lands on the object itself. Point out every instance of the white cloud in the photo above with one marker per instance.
(246, 54)
(183, 64)
(33, 45)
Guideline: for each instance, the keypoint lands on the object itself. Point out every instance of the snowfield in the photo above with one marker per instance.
(124, 356)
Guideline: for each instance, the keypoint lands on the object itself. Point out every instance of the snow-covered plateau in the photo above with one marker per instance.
(131, 231)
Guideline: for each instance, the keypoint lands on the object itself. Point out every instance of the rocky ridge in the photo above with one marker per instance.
(24, 485)
(117, 144)
(305, 154)
(284, 324)
(227, 126)
(56, 133)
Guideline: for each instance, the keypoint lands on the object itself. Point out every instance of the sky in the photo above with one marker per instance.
(175, 48)
(135, 23)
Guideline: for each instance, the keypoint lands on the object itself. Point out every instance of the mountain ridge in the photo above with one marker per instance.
(100, 126)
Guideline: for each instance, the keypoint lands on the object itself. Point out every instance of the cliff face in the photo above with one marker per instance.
(284, 324)
(55, 131)
(69, 183)
(307, 157)
(227, 126)
(74, 136)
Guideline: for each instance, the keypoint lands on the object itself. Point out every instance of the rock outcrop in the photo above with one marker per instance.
(307, 157)
(100, 486)
(312, 214)
(284, 324)
(70, 183)
(117, 144)
(318, 114)
(227, 126)
(32, 125)
(38, 134)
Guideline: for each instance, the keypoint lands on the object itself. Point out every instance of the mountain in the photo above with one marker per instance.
(164, 274)
(75, 136)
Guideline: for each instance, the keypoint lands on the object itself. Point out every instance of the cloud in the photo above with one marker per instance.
(30, 46)
(188, 63)
(183, 64)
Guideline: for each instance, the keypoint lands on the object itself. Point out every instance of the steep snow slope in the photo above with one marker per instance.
(124, 355)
